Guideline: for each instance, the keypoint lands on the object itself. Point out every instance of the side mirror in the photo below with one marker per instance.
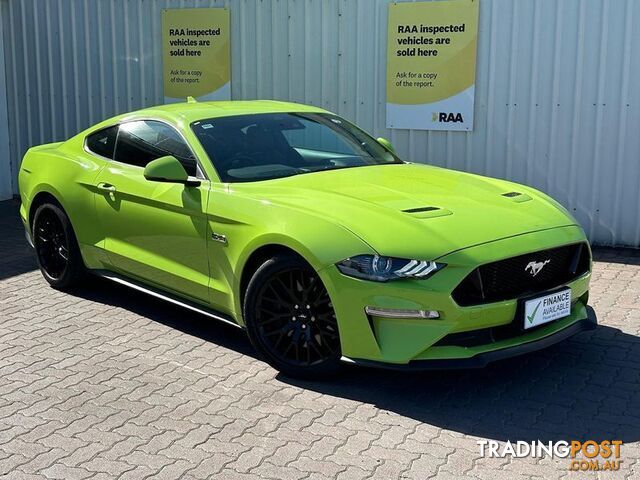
(386, 144)
(168, 169)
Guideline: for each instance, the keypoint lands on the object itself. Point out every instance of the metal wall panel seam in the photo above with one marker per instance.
(619, 211)
(143, 75)
(87, 59)
(550, 180)
(491, 107)
(511, 103)
(114, 70)
(597, 137)
(533, 94)
(12, 97)
(74, 63)
(6, 176)
(27, 76)
(127, 65)
(103, 97)
(52, 104)
(38, 70)
(577, 109)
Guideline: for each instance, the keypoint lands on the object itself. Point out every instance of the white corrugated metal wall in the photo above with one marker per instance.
(557, 93)
(6, 187)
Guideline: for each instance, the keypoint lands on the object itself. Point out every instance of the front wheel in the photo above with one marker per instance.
(290, 318)
(56, 247)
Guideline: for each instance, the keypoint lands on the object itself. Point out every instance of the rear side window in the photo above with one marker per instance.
(103, 142)
(142, 141)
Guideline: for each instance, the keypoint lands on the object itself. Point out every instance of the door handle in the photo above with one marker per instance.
(106, 187)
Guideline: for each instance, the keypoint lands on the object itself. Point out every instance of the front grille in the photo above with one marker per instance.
(490, 335)
(510, 279)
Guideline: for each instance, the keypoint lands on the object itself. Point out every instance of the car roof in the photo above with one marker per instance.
(185, 113)
(194, 111)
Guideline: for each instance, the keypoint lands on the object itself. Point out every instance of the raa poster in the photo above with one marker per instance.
(195, 53)
(431, 64)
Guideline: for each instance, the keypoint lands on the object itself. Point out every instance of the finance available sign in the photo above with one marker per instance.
(548, 308)
(431, 65)
(195, 53)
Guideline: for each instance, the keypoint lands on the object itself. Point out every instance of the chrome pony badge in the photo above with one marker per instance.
(534, 267)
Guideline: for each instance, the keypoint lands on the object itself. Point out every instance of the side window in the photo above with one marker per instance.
(103, 142)
(142, 141)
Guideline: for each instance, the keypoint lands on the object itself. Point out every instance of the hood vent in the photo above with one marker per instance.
(517, 197)
(427, 212)
(421, 209)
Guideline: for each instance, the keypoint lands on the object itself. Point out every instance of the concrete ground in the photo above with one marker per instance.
(106, 382)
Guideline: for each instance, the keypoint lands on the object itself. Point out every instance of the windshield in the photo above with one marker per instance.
(248, 148)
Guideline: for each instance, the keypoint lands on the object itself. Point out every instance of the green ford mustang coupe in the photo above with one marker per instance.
(294, 224)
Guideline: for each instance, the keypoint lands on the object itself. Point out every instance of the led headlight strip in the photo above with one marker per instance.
(417, 269)
(383, 269)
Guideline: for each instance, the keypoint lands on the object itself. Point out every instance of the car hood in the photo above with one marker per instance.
(412, 210)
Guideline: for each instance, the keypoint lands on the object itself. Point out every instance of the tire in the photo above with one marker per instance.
(56, 247)
(290, 319)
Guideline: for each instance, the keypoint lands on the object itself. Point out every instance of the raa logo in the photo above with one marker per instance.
(443, 117)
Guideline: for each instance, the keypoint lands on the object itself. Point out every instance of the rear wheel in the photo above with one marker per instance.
(290, 318)
(56, 247)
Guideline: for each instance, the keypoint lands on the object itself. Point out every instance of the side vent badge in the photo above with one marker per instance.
(217, 237)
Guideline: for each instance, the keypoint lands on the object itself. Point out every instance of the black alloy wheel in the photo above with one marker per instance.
(51, 244)
(56, 247)
(290, 318)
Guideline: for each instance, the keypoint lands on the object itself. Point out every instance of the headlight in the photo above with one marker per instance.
(383, 269)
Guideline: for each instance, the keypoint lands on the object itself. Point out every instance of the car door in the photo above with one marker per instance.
(154, 231)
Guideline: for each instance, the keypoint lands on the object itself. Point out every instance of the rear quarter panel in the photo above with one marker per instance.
(68, 173)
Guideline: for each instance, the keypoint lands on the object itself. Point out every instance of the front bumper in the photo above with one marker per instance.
(25, 224)
(27, 236)
(483, 359)
(395, 341)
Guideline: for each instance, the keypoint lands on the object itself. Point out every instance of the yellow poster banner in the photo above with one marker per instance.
(195, 53)
(431, 64)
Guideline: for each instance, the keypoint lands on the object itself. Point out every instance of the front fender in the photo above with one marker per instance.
(249, 224)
